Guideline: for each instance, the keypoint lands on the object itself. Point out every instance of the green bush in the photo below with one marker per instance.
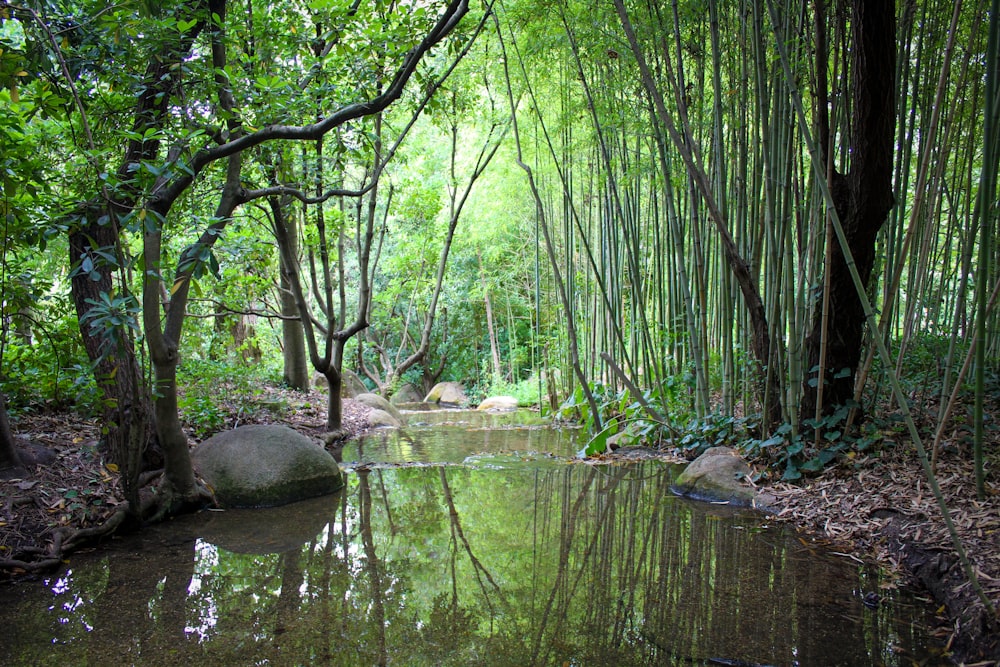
(51, 371)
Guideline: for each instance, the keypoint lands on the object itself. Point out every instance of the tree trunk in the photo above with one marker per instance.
(494, 346)
(863, 198)
(768, 389)
(119, 375)
(293, 342)
(10, 462)
(116, 370)
(178, 473)
(334, 404)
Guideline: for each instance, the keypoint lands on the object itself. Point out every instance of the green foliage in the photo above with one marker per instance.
(623, 416)
(716, 430)
(922, 368)
(800, 453)
(525, 391)
(51, 370)
(110, 317)
(577, 408)
(218, 395)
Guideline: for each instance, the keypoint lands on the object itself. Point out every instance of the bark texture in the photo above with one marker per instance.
(863, 198)
(10, 463)
(293, 342)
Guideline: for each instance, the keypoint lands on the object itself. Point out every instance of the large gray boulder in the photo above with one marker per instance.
(350, 384)
(265, 466)
(447, 393)
(376, 402)
(498, 403)
(718, 475)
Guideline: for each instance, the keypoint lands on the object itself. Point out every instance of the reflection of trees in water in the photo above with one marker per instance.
(458, 535)
(566, 563)
(372, 567)
(641, 577)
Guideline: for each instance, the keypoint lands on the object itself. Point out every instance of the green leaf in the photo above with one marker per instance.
(791, 473)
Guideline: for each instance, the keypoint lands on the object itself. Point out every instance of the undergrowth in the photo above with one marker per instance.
(216, 395)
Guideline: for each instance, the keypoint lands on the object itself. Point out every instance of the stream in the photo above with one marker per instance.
(468, 539)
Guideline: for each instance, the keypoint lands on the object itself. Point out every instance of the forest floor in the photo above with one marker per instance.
(880, 508)
(876, 507)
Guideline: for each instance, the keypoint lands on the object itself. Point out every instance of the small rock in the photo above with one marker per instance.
(718, 475)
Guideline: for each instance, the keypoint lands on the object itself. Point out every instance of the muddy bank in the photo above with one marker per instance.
(69, 487)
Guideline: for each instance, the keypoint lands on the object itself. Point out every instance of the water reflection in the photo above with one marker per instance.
(451, 436)
(447, 565)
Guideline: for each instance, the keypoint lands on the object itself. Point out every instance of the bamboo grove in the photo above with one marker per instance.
(655, 197)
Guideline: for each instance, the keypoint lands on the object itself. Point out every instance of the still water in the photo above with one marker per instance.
(521, 557)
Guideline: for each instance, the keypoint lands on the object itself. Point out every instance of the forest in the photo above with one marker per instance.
(768, 224)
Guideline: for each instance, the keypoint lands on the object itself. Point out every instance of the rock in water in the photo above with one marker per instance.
(265, 466)
(380, 418)
(718, 475)
(499, 403)
(407, 393)
(447, 393)
(376, 402)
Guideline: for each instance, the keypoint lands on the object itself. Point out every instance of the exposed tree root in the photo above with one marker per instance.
(77, 538)
(154, 507)
(976, 635)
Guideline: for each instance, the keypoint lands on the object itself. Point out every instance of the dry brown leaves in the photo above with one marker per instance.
(850, 505)
(75, 490)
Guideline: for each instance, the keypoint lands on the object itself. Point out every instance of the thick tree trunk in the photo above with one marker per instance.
(116, 368)
(293, 342)
(863, 198)
(10, 462)
(118, 373)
